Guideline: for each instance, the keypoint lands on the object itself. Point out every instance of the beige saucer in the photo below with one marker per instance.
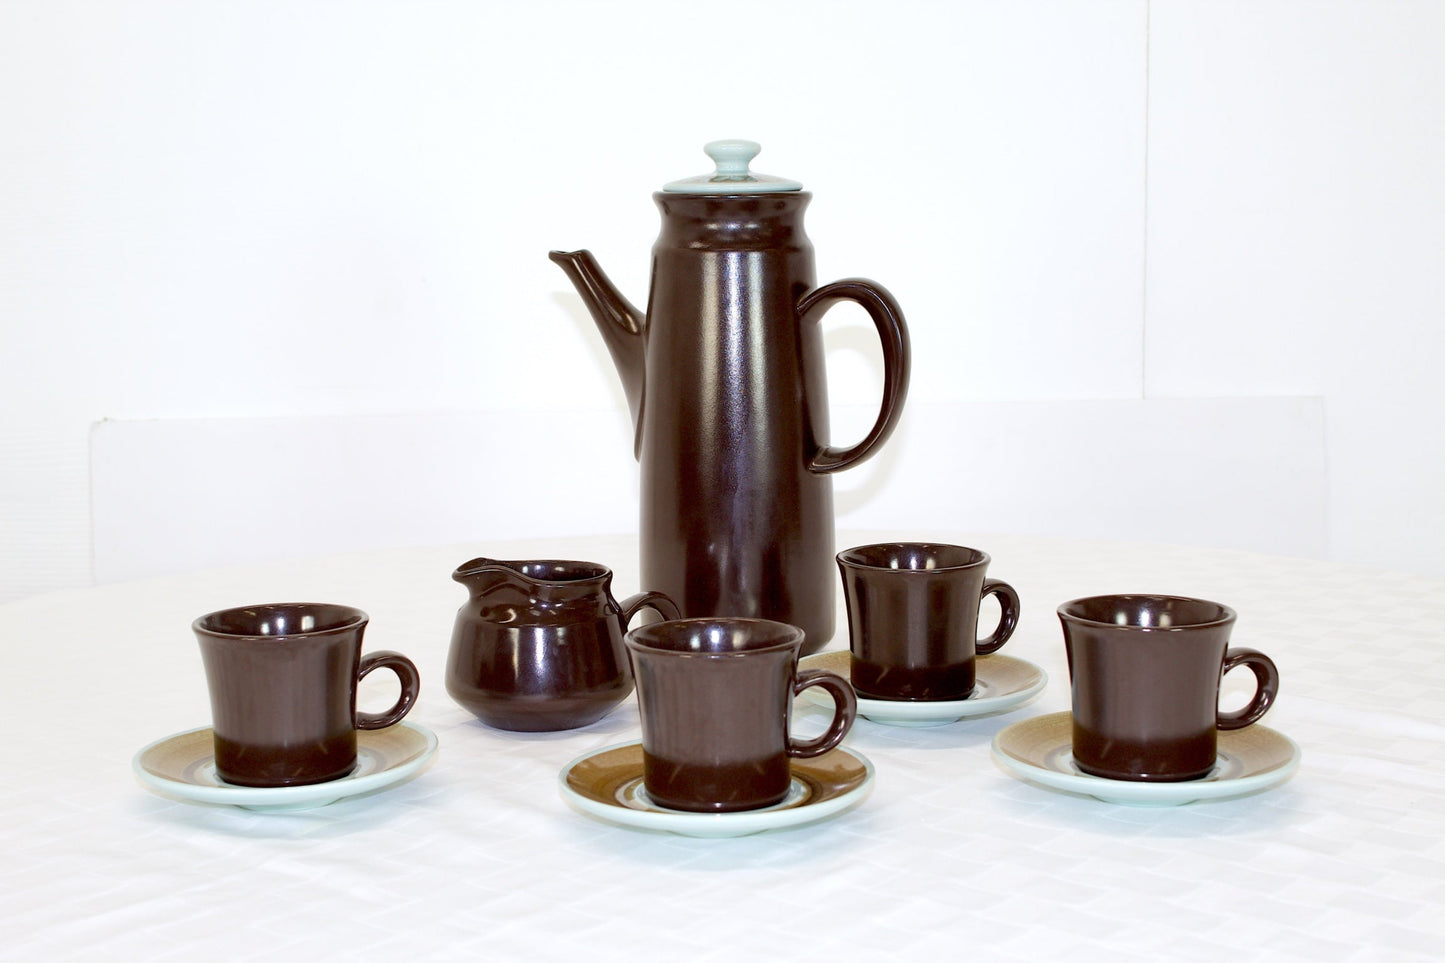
(1001, 683)
(607, 783)
(183, 766)
(1039, 750)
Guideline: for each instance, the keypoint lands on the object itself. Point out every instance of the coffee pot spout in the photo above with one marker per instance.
(621, 325)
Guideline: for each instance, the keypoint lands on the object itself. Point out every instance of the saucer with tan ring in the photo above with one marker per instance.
(1040, 751)
(1001, 684)
(183, 766)
(608, 784)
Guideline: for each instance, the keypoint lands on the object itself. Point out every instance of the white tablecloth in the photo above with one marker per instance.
(478, 857)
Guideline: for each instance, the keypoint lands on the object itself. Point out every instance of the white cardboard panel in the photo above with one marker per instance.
(171, 496)
(176, 495)
(1295, 240)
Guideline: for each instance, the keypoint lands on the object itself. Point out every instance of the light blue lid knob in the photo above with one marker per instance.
(732, 176)
(732, 157)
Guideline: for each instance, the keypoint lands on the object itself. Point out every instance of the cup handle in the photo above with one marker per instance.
(410, 685)
(845, 710)
(1008, 617)
(1266, 678)
(657, 601)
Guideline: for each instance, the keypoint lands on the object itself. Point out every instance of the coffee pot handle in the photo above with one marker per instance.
(893, 332)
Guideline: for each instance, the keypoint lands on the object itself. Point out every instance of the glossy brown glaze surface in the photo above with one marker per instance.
(725, 377)
(715, 697)
(913, 618)
(537, 646)
(282, 680)
(1145, 672)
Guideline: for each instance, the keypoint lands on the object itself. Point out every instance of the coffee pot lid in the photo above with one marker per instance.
(732, 175)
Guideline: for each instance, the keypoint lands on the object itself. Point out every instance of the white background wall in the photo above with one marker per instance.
(328, 210)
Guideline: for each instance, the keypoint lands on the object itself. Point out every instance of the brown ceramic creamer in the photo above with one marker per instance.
(724, 374)
(538, 645)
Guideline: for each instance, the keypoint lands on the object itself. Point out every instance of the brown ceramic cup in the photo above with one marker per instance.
(283, 681)
(913, 618)
(1146, 671)
(715, 697)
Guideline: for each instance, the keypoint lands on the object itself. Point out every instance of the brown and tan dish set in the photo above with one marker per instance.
(724, 377)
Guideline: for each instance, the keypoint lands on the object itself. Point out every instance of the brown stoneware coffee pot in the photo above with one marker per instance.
(537, 646)
(724, 375)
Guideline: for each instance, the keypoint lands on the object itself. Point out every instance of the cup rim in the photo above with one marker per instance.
(636, 639)
(977, 557)
(1225, 615)
(344, 617)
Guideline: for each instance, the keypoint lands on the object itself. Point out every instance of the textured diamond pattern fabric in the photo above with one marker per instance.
(478, 857)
